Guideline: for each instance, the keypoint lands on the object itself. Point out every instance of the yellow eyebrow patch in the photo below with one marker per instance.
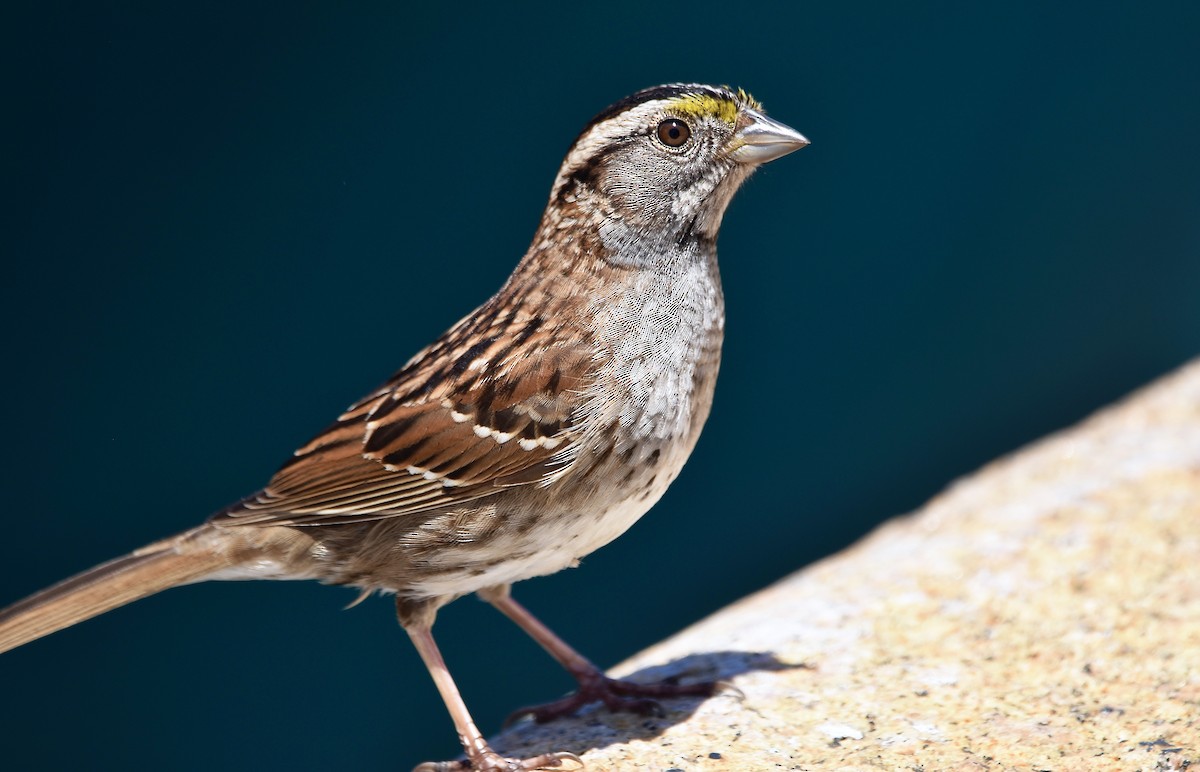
(708, 106)
(704, 106)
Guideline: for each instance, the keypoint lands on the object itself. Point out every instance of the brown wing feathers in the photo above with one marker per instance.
(440, 432)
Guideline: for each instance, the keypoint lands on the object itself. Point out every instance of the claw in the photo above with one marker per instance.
(562, 756)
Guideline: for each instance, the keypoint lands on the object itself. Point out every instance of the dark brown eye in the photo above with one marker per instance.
(673, 132)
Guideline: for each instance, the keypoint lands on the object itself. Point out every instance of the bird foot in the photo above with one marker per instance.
(617, 696)
(490, 761)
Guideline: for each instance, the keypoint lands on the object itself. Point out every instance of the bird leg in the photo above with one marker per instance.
(594, 686)
(480, 756)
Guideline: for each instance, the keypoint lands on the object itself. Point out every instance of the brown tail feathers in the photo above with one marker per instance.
(103, 588)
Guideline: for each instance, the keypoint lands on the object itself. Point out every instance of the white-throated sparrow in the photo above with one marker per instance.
(534, 431)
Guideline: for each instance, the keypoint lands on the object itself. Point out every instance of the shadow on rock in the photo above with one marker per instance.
(596, 727)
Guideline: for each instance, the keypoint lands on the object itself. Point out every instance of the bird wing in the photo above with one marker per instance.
(489, 406)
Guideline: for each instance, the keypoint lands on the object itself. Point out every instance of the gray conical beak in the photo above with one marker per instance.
(763, 139)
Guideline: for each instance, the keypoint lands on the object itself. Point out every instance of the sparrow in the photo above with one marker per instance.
(536, 430)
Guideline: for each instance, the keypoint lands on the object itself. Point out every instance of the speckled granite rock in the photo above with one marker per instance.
(1042, 614)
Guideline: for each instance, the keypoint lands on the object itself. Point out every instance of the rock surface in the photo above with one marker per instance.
(1042, 614)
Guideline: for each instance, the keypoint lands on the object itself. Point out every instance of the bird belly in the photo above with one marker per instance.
(514, 558)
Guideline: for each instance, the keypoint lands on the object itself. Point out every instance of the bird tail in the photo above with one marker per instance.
(134, 576)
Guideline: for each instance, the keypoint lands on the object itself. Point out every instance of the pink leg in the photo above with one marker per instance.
(480, 756)
(594, 686)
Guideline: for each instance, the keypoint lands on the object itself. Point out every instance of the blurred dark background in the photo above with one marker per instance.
(223, 226)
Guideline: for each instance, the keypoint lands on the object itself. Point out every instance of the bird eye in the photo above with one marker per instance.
(673, 132)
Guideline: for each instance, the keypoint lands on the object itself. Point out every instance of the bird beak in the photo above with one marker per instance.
(762, 139)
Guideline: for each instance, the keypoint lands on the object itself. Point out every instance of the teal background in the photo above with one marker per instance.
(222, 226)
